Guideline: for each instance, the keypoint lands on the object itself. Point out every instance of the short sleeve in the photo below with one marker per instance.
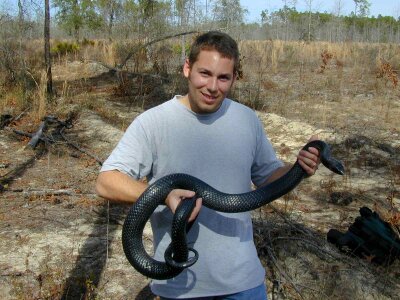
(132, 155)
(265, 160)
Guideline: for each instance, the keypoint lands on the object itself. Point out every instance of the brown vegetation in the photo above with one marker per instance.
(385, 70)
(345, 102)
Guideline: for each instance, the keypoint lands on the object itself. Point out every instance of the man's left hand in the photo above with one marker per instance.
(309, 159)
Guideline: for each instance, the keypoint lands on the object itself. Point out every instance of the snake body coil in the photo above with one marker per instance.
(156, 194)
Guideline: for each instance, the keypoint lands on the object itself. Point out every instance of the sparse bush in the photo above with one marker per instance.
(15, 59)
(138, 58)
(12, 99)
(8, 61)
(386, 71)
(326, 57)
(161, 58)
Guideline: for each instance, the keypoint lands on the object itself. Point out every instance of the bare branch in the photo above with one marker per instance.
(99, 161)
(153, 42)
(50, 192)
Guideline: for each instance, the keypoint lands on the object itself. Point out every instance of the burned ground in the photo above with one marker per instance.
(59, 240)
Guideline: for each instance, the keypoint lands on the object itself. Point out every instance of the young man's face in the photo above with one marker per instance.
(210, 79)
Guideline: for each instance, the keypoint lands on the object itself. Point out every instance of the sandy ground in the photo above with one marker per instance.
(59, 240)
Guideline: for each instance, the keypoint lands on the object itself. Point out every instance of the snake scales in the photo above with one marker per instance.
(156, 194)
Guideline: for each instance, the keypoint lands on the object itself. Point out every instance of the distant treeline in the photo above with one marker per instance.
(290, 24)
(129, 19)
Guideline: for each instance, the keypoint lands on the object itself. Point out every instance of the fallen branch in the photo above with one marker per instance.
(21, 114)
(7, 119)
(99, 161)
(30, 135)
(38, 135)
(153, 42)
(50, 192)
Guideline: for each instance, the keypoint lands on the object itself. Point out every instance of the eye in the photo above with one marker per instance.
(224, 78)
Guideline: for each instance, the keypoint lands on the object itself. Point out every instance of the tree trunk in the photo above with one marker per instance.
(309, 25)
(76, 33)
(111, 23)
(47, 56)
(21, 32)
(182, 22)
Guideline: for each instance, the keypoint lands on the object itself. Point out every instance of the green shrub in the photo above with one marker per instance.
(87, 42)
(62, 48)
(177, 48)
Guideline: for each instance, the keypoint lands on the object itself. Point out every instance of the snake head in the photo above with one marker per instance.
(335, 166)
(326, 158)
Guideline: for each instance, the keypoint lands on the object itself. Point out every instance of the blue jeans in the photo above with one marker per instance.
(257, 293)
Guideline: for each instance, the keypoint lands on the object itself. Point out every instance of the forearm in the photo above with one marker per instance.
(119, 187)
(278, 173)
(308, 160)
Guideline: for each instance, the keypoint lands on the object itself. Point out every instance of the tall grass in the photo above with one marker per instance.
(284, 77)
(39, 101)
(281, 54)
(293, 80)
(12, 99)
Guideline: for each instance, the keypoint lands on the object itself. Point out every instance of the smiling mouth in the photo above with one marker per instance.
(209, 99)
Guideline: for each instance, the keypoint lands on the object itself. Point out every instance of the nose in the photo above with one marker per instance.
(212, 84)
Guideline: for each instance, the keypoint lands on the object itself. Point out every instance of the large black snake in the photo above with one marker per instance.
(156, 194)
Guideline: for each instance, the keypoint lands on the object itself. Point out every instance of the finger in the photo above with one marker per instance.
(184, 193)
(309, 170)
(175, 197)
(309, 158)
(178, 194)
(313, 150)
(310, 152)
(196, 210)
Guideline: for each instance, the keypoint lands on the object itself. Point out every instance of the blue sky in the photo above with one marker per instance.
(383, 7)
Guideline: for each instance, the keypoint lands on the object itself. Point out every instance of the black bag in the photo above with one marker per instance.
(368, 237)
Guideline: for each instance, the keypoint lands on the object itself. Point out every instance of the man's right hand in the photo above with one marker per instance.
(176, 196)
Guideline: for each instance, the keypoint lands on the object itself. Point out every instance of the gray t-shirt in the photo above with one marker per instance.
(228, 150)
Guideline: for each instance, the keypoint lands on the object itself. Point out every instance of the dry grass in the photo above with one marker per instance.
(331, 86)
(288, 247)
(39, 101)
(265, 64)
(288, 54)
(386, 71)
(12, 100)
(312, 80)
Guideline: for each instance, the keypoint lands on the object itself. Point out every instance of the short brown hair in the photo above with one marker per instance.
(219, 41)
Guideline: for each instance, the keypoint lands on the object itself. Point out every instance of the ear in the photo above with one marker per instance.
(186, 68)
(233, 79)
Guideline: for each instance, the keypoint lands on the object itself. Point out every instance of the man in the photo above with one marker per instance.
(219, 141)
